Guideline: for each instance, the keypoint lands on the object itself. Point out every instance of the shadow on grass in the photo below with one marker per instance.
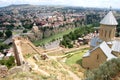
(79, 62)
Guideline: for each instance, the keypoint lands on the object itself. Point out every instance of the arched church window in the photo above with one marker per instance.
(113, 33)
(105, 33)
(110, 33)
(101, 33)
(97, 56)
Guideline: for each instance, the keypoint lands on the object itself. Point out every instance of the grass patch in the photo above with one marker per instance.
(75, 57)
(8, 62)
(27, 55)
(53, 37)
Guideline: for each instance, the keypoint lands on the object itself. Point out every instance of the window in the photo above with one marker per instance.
(105, 33)
(101, 32)
(114, 32)
(97, 56)
(109, 34)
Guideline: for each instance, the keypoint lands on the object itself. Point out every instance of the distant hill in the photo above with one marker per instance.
(18, 6)
(15, 5)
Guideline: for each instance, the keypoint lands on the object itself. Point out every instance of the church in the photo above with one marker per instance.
(105, 46)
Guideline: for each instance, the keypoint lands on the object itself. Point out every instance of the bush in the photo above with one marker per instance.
(3, 46)
(1, 34)
(25, 31)
(63, 42)
(27, 26)
(68, 38)
(9, 63)
(70, 46)
(106, 71)
(8, 33)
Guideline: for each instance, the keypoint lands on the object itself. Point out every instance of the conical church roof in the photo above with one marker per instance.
(109, 19)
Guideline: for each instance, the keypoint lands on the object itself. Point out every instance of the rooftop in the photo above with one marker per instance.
(109, 19)
(105, 48)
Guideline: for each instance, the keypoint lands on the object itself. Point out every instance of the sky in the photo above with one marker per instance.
(81, 3)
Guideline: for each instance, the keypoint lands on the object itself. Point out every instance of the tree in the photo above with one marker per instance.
(93, 18)
(70, 46)
(27, 26)
(8, 33)
(80, 32)
(1, 34)
(118, 28)
(25, 31)
(3, 46)
(63, 42)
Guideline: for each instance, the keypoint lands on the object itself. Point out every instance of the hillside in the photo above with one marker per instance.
(39, 65)
(49, 69)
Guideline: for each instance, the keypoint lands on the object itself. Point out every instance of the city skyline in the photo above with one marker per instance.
(80, 3)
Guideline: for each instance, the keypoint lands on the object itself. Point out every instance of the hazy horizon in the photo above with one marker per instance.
(78, 3)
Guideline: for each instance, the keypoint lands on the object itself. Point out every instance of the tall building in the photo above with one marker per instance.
(103, 47)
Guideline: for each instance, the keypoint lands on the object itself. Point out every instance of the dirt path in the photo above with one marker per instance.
(73, 49)
(65, 50)
(68, 50)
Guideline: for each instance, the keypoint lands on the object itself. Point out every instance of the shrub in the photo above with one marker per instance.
(9, 62)
(68, 38)
(70, 46)
(25, 31)
(8, 33)
(1, 34)
(106, 71)
(3, 46)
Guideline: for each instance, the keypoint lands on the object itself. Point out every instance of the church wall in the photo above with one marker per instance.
(107, 33)
(94, 60)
